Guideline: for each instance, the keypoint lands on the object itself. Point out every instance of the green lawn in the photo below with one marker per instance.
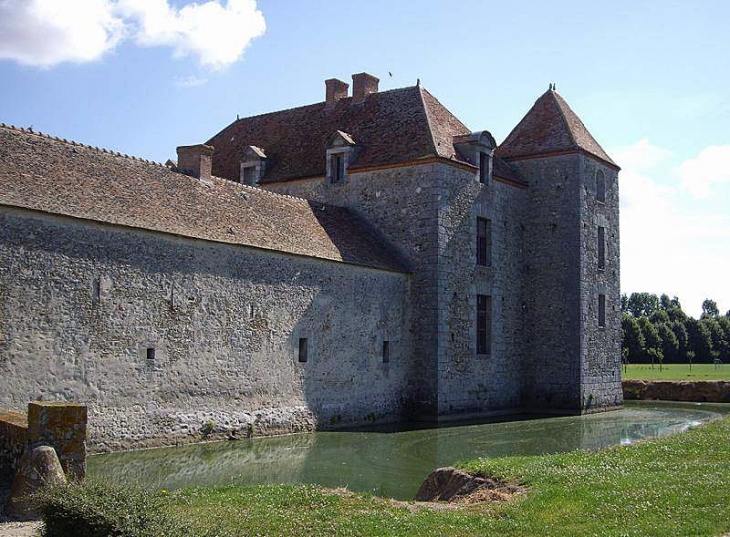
(677, 372)
(672, 486)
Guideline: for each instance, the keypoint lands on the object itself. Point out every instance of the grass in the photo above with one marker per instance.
(672, 486)
(677, 372)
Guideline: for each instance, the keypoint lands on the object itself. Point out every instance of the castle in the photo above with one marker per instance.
(361, 260)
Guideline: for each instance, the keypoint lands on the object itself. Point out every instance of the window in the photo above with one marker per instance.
(600, 186)
(484, 242)
(602, 310)
(601, 248)
(249, 173)
(386, 352)
(303, 349)
(484, 324)
(150, 353)
(483, 168)
(338, 167)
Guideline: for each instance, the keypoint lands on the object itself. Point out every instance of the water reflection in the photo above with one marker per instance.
(391, 463)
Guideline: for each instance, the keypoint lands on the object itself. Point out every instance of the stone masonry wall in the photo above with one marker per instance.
(601, 346)
(552, 282)
(572, 364)
(402, 203)
(470, 382)
(430, 212)
(169, 339)
(13, 441)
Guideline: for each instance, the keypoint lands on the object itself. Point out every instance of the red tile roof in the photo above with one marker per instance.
(550, 127)
(392, 127)
(42, 173)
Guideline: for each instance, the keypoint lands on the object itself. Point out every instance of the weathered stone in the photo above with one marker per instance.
(39, 468)
(63, 427)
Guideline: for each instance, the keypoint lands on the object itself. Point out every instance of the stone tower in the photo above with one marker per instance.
(571, 275)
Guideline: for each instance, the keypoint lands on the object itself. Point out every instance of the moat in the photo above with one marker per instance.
(392, 461)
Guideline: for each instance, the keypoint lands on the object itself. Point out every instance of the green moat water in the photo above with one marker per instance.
(390, 462)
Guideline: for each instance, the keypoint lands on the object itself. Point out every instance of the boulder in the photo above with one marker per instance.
(39, 468)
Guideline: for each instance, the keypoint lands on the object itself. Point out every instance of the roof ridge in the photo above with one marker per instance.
(258, 189)
(74, 143)
(311, 105)
(421, 89)
(553, 94)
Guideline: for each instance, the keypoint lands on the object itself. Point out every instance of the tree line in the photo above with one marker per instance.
(655, 329)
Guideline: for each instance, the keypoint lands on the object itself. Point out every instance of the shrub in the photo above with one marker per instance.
(102, 510)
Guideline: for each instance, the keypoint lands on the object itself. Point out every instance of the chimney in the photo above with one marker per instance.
(195, 160)
(336, 90)
(363, 84)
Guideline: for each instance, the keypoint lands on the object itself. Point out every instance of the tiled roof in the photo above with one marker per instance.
(550, 127)
(42, 173)
(392, 127)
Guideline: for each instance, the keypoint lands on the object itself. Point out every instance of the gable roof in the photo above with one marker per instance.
(42, 173)
(550, 127)
(391, 127)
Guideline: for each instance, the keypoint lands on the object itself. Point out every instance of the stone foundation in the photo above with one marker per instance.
(704, 391)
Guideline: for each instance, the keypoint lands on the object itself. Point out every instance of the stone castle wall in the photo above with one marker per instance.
(601, 346)
(470, 382)
(571, 363)
(402, 203)
(430, 211)
(81, 303)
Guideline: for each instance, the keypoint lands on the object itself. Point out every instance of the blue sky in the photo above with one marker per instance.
(649, 79)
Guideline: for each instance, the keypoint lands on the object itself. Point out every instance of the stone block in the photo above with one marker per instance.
(62, 426)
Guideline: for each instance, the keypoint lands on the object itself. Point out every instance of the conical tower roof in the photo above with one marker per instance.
(550, 127)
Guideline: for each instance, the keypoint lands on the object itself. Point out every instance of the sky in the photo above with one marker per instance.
(650, 79)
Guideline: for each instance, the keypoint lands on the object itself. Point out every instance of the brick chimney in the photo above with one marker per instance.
(195, 160)
(363, 84)
(336, 90)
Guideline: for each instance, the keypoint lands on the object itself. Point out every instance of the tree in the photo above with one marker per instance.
(717, 333)
(700, 339)
(659, 316)
(667, 303)
(642, 304)
(625, 304)
(680, 332)
(652, 341)
(670, 343)
(728, 314)
(677, 315)
(633, 340)
(709, 309)
(724, 323)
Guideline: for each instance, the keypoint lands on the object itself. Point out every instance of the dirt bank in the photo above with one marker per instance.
(703, 391)
(456, 486)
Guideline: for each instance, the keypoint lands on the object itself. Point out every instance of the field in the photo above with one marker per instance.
(676, 372)
(671, 486)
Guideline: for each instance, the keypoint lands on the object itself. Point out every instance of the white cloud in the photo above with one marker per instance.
(190, 81)
(669, 243)
(215, 34)
(712, 165)
(640, 156)
(48, 32)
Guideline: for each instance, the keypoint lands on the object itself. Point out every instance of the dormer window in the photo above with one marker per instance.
(341, 152)
(248, 175)
(338, 167)
(253, 165)
(484, 168)
(477, 149)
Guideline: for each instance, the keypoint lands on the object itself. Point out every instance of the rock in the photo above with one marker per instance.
(448, 484)
(39, 468)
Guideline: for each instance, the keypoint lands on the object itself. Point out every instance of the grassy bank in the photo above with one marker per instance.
(676, 372)
(677, 485)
